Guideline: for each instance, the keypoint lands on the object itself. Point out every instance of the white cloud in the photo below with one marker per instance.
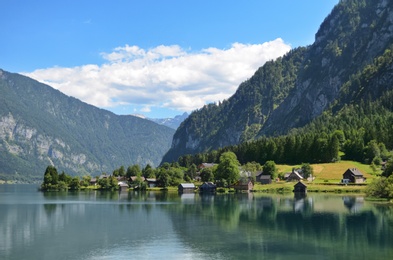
(162, 77)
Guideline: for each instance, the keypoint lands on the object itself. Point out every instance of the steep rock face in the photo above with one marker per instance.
(293, 90)
(349, 38)
(40, 126)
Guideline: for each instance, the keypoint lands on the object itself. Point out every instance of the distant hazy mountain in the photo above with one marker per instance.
(354, 42)
(173, 123)
(40, 126)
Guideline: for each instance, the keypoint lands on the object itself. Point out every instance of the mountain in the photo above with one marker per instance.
(293, 90)
(173, 123)
(40, 126)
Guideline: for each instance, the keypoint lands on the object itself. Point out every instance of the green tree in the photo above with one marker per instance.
(51, 179)
(381, 187)
(148, 172)
(388, 171)
(191, 171)
(307, 170)
(163, 178)
(228, 168)
(122, 171)
(75, 183)
(138, 183)
(269, 168)
(207, 175)
(104, 183)
(133, 170)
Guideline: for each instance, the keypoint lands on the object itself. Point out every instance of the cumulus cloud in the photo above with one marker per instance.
(162, 77)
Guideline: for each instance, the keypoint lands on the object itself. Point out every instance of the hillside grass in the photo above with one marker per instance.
(333, 172)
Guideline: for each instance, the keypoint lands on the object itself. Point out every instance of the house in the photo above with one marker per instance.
(151, 182)
(263, 179)
(208, 187)
(206, 165)
(93, 181)
(300, 187)
(286, 175)
(243, 185)
(122, 186)
(354, 176)
(186, 187)
(295, 176)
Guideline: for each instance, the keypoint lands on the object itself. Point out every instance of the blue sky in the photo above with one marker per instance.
(157, 58)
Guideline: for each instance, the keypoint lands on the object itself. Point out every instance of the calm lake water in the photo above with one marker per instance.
(155, 225)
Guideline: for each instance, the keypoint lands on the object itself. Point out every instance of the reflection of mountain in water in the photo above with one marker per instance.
(88, 225)
(276, 227)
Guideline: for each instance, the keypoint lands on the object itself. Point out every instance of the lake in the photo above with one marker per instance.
(158, 225)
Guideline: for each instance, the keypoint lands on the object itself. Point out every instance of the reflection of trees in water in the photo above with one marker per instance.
(264, 223)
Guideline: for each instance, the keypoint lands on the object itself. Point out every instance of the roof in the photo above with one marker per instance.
(151, 180)
(257, 174)
(264, 177)
(187, 185)
(297, 174)
(300, 184)
(355, 172)
(209, 184)
(207, 165)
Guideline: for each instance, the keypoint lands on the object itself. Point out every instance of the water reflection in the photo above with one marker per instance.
(146, 225)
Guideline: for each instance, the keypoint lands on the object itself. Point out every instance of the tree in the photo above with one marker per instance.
(191, 172)
(133, 170)
(381, 187)
(269, 168)
(388, 169)
(65, 178)
(122, 171)
(139, 183)
(75, 183)
(163, 178)
(148, 172)
(51, 179)
(207, 175)
(307, 170)
(228, 168)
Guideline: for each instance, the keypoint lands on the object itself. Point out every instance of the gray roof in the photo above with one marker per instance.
(264, 177)
(356, 172)
(187, 185)
(209, 184)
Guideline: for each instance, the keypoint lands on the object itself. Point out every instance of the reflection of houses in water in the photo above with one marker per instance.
(354, 204)
(187, 198)
(303, 204)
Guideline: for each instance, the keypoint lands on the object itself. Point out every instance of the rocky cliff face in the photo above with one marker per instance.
(40, 126)
(350, 37)
(293, 90)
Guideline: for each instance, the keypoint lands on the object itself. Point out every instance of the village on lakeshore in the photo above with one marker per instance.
(339, 177)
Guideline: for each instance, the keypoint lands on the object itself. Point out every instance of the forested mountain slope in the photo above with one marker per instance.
(293, 90)
(40, 126)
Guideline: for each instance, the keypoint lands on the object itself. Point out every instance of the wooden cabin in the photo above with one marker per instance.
(186, 187)
(263, 179)
(208, 187)
(300, 187)
(354, 176)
